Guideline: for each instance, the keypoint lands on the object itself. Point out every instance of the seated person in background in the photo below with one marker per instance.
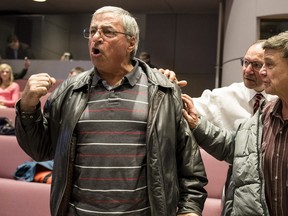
(144, 56)
(17, 50)
(9, 90)
(67, 56)
(75, 71)
(23, 72)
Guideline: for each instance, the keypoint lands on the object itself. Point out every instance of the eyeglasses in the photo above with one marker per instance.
(255, 65)
(106, 32)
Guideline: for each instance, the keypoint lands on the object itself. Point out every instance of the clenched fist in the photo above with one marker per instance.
(36, 87)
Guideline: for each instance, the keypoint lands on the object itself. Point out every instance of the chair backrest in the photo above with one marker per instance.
(216, 173)
(24, 198)
(9, 113)
(21, 83)
(11, 156)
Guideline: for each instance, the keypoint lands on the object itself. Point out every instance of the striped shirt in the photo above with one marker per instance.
(110, 166)
(275, 153)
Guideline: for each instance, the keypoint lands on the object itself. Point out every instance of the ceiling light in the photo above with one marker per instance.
(39, 0)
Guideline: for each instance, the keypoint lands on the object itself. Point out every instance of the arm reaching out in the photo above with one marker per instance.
(171, 75)
(190, 113)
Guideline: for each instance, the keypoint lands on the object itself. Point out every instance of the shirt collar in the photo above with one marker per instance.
(277, 109)
(135, 74)
(131, 77)
(252, 93)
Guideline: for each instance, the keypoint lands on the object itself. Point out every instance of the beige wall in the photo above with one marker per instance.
(242, 29)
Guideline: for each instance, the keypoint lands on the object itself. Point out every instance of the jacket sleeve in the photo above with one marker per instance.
(33, 135)
(191, 172)
(21, 74)
(219, 142)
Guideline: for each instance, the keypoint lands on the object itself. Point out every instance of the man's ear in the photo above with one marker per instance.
(132, 43)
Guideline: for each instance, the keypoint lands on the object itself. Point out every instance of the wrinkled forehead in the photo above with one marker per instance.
(255, 53)
(273, 54)
(106, 19)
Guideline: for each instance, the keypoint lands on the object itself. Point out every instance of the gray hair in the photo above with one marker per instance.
(129, 23)
(261, 41)
(278, 42)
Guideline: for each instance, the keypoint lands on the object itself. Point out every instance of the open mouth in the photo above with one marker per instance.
(95, 51)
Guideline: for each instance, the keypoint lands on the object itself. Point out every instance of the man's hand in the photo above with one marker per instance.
(36, 87)
(189, 112)
(171, 75)
(26, 63)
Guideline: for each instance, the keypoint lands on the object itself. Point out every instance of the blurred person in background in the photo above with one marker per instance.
(75, 71)
(24, 71)
(145, 56)
(67, 56)
(17, 50)
(9, 90)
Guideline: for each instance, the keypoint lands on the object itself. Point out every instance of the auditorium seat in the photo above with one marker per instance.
(9, 113)
(24, 198)
(11, 156)
(21, 83)
(216, 173)
(19, 197)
